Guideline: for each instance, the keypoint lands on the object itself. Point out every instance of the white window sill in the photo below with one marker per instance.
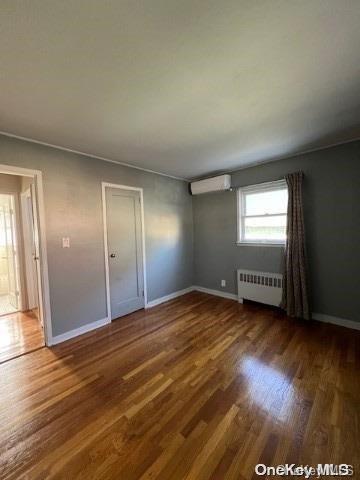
(260, 244)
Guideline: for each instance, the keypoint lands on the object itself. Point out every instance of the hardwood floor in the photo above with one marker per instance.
(198, 388)
(20, 333)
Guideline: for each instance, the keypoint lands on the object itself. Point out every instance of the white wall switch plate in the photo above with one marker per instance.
(223, 283)
(66, 242)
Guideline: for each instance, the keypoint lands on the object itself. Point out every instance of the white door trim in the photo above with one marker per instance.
(19, 263)
(37, 175)
(29, 274)
(104, 186)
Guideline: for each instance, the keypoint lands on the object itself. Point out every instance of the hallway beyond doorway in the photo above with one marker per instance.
(5, 305)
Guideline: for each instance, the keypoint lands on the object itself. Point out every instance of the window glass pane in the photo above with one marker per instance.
(260, 203)
(265, 228)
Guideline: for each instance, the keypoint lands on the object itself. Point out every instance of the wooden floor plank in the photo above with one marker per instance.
(198, 388)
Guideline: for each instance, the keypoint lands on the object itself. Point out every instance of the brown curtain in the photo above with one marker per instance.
(295, 299)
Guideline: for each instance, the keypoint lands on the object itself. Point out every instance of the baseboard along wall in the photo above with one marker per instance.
(342, 322)
(79, 331)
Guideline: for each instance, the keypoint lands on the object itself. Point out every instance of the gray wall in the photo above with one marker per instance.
(332, 217)
(72, 190)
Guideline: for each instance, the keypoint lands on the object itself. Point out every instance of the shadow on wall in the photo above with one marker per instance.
(167, 228)
(168, 254)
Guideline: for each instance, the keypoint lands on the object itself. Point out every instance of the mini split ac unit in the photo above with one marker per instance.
(215, 184)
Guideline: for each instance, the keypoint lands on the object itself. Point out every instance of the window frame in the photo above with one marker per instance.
(258, 188)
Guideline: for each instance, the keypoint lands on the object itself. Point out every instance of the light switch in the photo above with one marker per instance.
(66, 242)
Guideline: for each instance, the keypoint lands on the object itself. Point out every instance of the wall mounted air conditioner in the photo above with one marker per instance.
(214, 184)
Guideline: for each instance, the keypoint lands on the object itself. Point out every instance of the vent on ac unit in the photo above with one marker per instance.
(260, 287)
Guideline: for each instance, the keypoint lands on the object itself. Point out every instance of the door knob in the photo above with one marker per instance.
(112, 255)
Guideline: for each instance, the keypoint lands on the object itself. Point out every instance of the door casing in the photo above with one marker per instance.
(30, 269)
(43, 263)
(104, 186)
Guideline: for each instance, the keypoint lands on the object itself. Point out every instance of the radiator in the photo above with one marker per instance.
(260, 287)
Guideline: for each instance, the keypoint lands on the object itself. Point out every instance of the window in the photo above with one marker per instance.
(262, 213)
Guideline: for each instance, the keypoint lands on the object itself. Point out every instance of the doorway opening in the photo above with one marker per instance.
(9, 264)
(21, 293)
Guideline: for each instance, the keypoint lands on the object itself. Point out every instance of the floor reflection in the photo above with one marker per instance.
(269, 388)
(19, 333)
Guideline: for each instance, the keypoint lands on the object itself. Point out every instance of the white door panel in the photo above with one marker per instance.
(124, 237)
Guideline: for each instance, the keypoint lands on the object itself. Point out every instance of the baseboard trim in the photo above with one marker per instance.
(171, 296)
(79, 331)
(342, 322)
(218, 293)
(321, 317)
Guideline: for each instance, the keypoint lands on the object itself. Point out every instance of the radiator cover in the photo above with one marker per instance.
(263, 287)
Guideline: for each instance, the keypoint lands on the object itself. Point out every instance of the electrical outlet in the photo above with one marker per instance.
(223, 283)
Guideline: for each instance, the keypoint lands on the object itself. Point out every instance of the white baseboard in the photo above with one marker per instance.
(218, 293)
(179, 293)
(171, 296)
(232, 296)
(342, 322)
(104, 321)
(79, 331)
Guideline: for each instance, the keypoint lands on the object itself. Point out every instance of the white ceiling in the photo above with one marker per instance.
(183, 87)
